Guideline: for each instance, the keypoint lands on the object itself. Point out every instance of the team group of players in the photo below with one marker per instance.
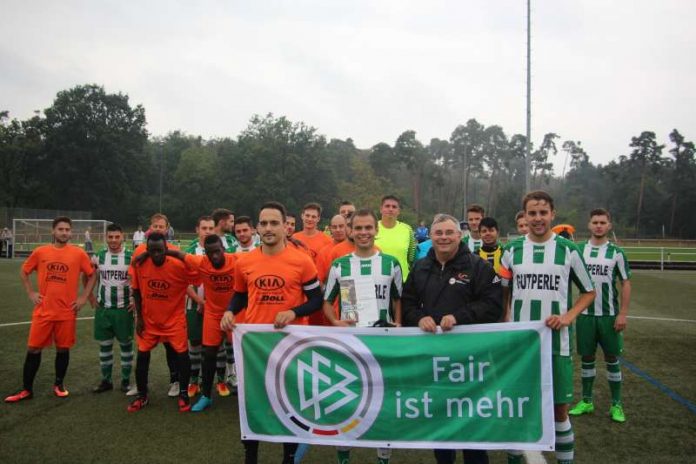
(226, 277)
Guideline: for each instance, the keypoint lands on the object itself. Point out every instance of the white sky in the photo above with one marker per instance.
(603, 71)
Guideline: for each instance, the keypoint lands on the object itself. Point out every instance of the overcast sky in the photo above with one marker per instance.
(602, 71)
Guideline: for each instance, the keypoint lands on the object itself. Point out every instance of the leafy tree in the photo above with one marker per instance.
(647, 155)
(93, 149)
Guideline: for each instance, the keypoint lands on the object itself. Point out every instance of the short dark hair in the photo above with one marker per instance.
(290, 215)
(275, 205)
(219, 214)
(156, 237)
(61, 219)
(363, 213)
(244, 220)
(205, 217)
(212, 239)
(346, 203)
(113, 227)
(520, 214)
(537, 195)
(476, 208)
(489, 223)
(600, 212)
(312, 205)
(390, 197)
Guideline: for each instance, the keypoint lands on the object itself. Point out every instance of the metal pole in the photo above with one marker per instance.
(528, 148)
(161, 174)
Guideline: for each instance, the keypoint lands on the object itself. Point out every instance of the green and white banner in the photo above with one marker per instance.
(481, 387)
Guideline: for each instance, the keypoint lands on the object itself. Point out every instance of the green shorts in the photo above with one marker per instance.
(194, 323)
(562, 379)
(110, 323)
(598, 330)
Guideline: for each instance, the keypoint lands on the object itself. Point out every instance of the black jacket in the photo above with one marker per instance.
(466, 287)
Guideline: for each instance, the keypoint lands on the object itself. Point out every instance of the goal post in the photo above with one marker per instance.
(29, 233)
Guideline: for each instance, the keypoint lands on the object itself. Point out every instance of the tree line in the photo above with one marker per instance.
(90, 150)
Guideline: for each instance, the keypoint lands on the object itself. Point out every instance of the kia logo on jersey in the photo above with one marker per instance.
(269, 282)
(221, 279)
(158, 285)
(57, 267)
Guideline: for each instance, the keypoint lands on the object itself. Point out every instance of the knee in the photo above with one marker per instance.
(33, 350)
(610, 359)
(62, 350)
(588, 358)
(560, 412)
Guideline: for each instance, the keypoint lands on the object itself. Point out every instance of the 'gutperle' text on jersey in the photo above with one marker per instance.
(605, 264)
(114, 290)
(346, 273)
(539, 275)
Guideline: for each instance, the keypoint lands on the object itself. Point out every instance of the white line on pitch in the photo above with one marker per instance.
(10, 324)
(661, 319)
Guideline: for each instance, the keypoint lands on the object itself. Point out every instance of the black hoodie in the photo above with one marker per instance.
(466, 287)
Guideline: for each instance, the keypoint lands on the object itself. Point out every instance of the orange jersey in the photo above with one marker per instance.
(58, 272)
(274, 283)
(139, 250)
(315, 243)
(217, 283)
(163, 291)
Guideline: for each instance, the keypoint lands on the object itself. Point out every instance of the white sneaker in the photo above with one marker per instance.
(132, 391)
(173, 389)
(232, 376)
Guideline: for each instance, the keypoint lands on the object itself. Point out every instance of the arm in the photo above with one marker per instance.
(411, 257)
(557, 322)
(91, 298)
(86, 292)
(35, 297)
(331, 316)
(313, 293)
(620, 323)
(239, 301)
(138, 301)
(412, 313)
(397, 311)
(178, 254)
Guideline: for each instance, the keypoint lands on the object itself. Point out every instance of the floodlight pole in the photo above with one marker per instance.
(528, 147)
(161, 153)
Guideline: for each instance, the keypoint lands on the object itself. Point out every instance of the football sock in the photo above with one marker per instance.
(142, 366)
(194, 352)
(31, 367)
(184, 364)
(383, 455)
(171, 363)
(588, 374)
(514, 457)
(251, 451)
(209, 358)
(62, 361)
(565, 442)
(220, 363)
(106, 358)
(343, 455)
(289, 453)
(126, 361)
(615, 380)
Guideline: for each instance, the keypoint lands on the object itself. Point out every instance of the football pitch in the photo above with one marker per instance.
(659, 397)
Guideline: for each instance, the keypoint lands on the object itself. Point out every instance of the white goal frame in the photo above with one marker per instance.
(42, 232)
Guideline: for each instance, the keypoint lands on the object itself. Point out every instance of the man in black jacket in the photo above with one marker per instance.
(451, 286)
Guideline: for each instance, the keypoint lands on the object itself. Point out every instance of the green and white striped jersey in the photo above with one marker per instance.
(364, 287)
(539, 275)
(605, 264)
(194, 249)
(229, 243)
(114, 290)
(474, 245)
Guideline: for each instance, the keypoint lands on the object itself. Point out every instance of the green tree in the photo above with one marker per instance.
(466, 144)
(682, 182)
(93, 152)
(647, 155)
(410, 151)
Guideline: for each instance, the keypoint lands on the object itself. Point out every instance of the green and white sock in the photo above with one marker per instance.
(615, 380)
(588, 374)
(126, 361)
(106, 359)
(343, 455)
(514, 457)
(565, 442)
